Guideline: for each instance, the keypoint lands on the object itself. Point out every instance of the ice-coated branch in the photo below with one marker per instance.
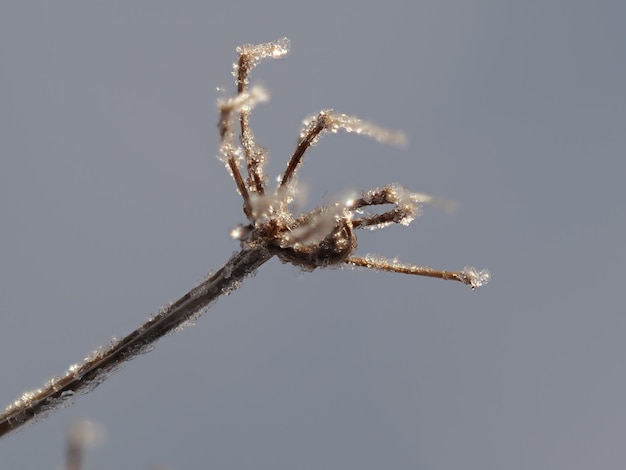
(471, 276)
(35, 404)
(328, 120)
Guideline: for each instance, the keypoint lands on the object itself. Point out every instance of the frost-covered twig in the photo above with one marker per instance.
(321, 238)
(98, 365)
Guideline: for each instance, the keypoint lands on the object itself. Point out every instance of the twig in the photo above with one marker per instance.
(321, 238)
(87, 376)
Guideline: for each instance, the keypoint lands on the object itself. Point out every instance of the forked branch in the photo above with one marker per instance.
(320, 238)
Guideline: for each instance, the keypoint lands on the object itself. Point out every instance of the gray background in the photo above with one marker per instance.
(112, 202)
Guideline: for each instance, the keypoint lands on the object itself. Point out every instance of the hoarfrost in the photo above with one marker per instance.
(317, 228)
(445, 205)
(476, 277)
(244, 101)
(252, 54)
(264, 206)
(373, 227)
(333, 122)
(73, 370)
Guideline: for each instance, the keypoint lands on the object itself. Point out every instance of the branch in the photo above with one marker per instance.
(97, 367)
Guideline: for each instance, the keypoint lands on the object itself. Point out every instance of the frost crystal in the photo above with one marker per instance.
(476, 277)
(317, 228)
(245, 101)
(257, 52)
(443, 204)
(251, 54)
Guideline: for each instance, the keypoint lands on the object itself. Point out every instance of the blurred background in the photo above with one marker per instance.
(112, 203)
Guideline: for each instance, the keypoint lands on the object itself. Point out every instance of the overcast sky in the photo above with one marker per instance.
(112, 203)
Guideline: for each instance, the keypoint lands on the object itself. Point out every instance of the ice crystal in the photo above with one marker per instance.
(252, 54)
(476, 277)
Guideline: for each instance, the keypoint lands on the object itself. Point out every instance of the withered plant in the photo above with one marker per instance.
(323, 237)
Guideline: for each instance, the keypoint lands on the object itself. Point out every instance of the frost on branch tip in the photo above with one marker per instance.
(330, 121)
(407, 206)
(251, 54)
(476, 277)
(469, 275)
(254, 53)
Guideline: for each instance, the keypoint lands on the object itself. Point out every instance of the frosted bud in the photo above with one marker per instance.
(256, 52)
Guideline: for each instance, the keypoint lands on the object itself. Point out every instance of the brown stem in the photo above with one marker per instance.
(408, 269)
(98, 366)
(302, 147)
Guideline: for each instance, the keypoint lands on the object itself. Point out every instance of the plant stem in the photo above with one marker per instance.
(97, 366)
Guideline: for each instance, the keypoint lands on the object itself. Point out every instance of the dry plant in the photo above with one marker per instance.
(324, 237)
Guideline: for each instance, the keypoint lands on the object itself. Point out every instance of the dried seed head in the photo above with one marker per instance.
(325, 236)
